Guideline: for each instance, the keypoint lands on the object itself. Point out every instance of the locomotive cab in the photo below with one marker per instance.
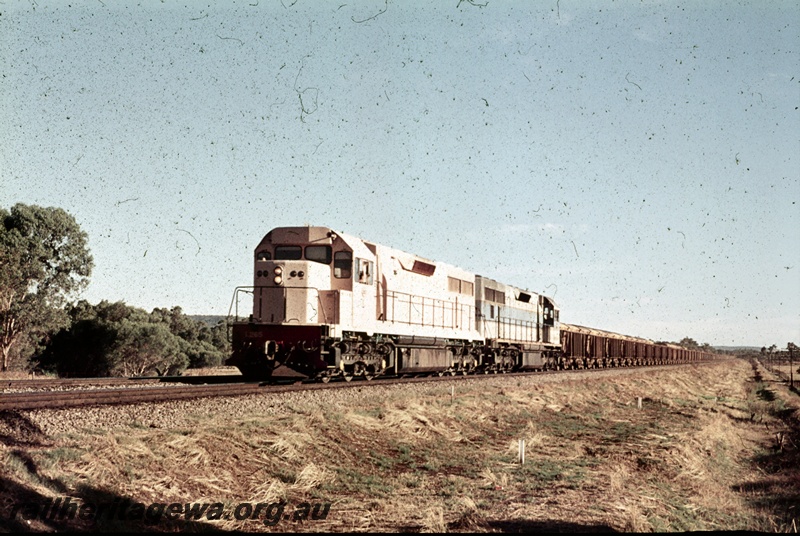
(299, 273)
(309, 284)
(287, 285)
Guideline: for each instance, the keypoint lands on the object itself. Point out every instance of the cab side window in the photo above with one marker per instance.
(364, 271)
(342, 265)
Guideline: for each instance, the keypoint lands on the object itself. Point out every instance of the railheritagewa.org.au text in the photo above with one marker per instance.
(69, 508)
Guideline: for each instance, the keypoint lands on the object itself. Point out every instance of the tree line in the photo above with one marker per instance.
(115, 339)
(44, 263)
(691, 344)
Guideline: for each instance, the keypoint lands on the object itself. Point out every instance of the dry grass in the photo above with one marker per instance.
(693, 458)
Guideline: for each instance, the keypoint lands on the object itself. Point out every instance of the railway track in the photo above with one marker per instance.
(72, 383)
(96, 397)
(116, 396)
(138, 381)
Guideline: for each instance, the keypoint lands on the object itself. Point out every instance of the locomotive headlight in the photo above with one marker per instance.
(278, 270)
(292, 273)
(300, 274)
(258, 273)
(278, 279)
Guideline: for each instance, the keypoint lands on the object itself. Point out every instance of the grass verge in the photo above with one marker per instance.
(704, 452)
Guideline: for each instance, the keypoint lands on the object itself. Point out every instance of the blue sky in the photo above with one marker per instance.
(637, 160)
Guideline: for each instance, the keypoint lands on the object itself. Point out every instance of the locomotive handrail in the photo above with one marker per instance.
(518, 325)
(252, 289)
(235, 301)
(461, 316)
(458, 312)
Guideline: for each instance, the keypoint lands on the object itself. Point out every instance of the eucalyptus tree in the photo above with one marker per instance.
(44, 262)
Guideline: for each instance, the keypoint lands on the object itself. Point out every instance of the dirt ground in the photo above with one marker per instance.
(713, 447)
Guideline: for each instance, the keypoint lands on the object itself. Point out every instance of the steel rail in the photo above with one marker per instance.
(71, 382)
(133, 381)
(102, 397)
(98, 397)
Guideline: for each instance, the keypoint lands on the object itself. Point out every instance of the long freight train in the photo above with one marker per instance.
(327, 304)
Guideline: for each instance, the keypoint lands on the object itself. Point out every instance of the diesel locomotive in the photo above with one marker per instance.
(326, 304)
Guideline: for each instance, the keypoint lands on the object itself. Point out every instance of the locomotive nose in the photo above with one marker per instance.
(279, 273)
(284, 274)
(271, 273)
(294, 274)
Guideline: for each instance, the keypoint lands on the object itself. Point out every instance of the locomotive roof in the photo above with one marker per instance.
(367, 250)
(484, 279)
(357, 245)
(315, 233)
(405, 258)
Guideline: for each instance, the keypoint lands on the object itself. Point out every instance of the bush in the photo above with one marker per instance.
(115, 339)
